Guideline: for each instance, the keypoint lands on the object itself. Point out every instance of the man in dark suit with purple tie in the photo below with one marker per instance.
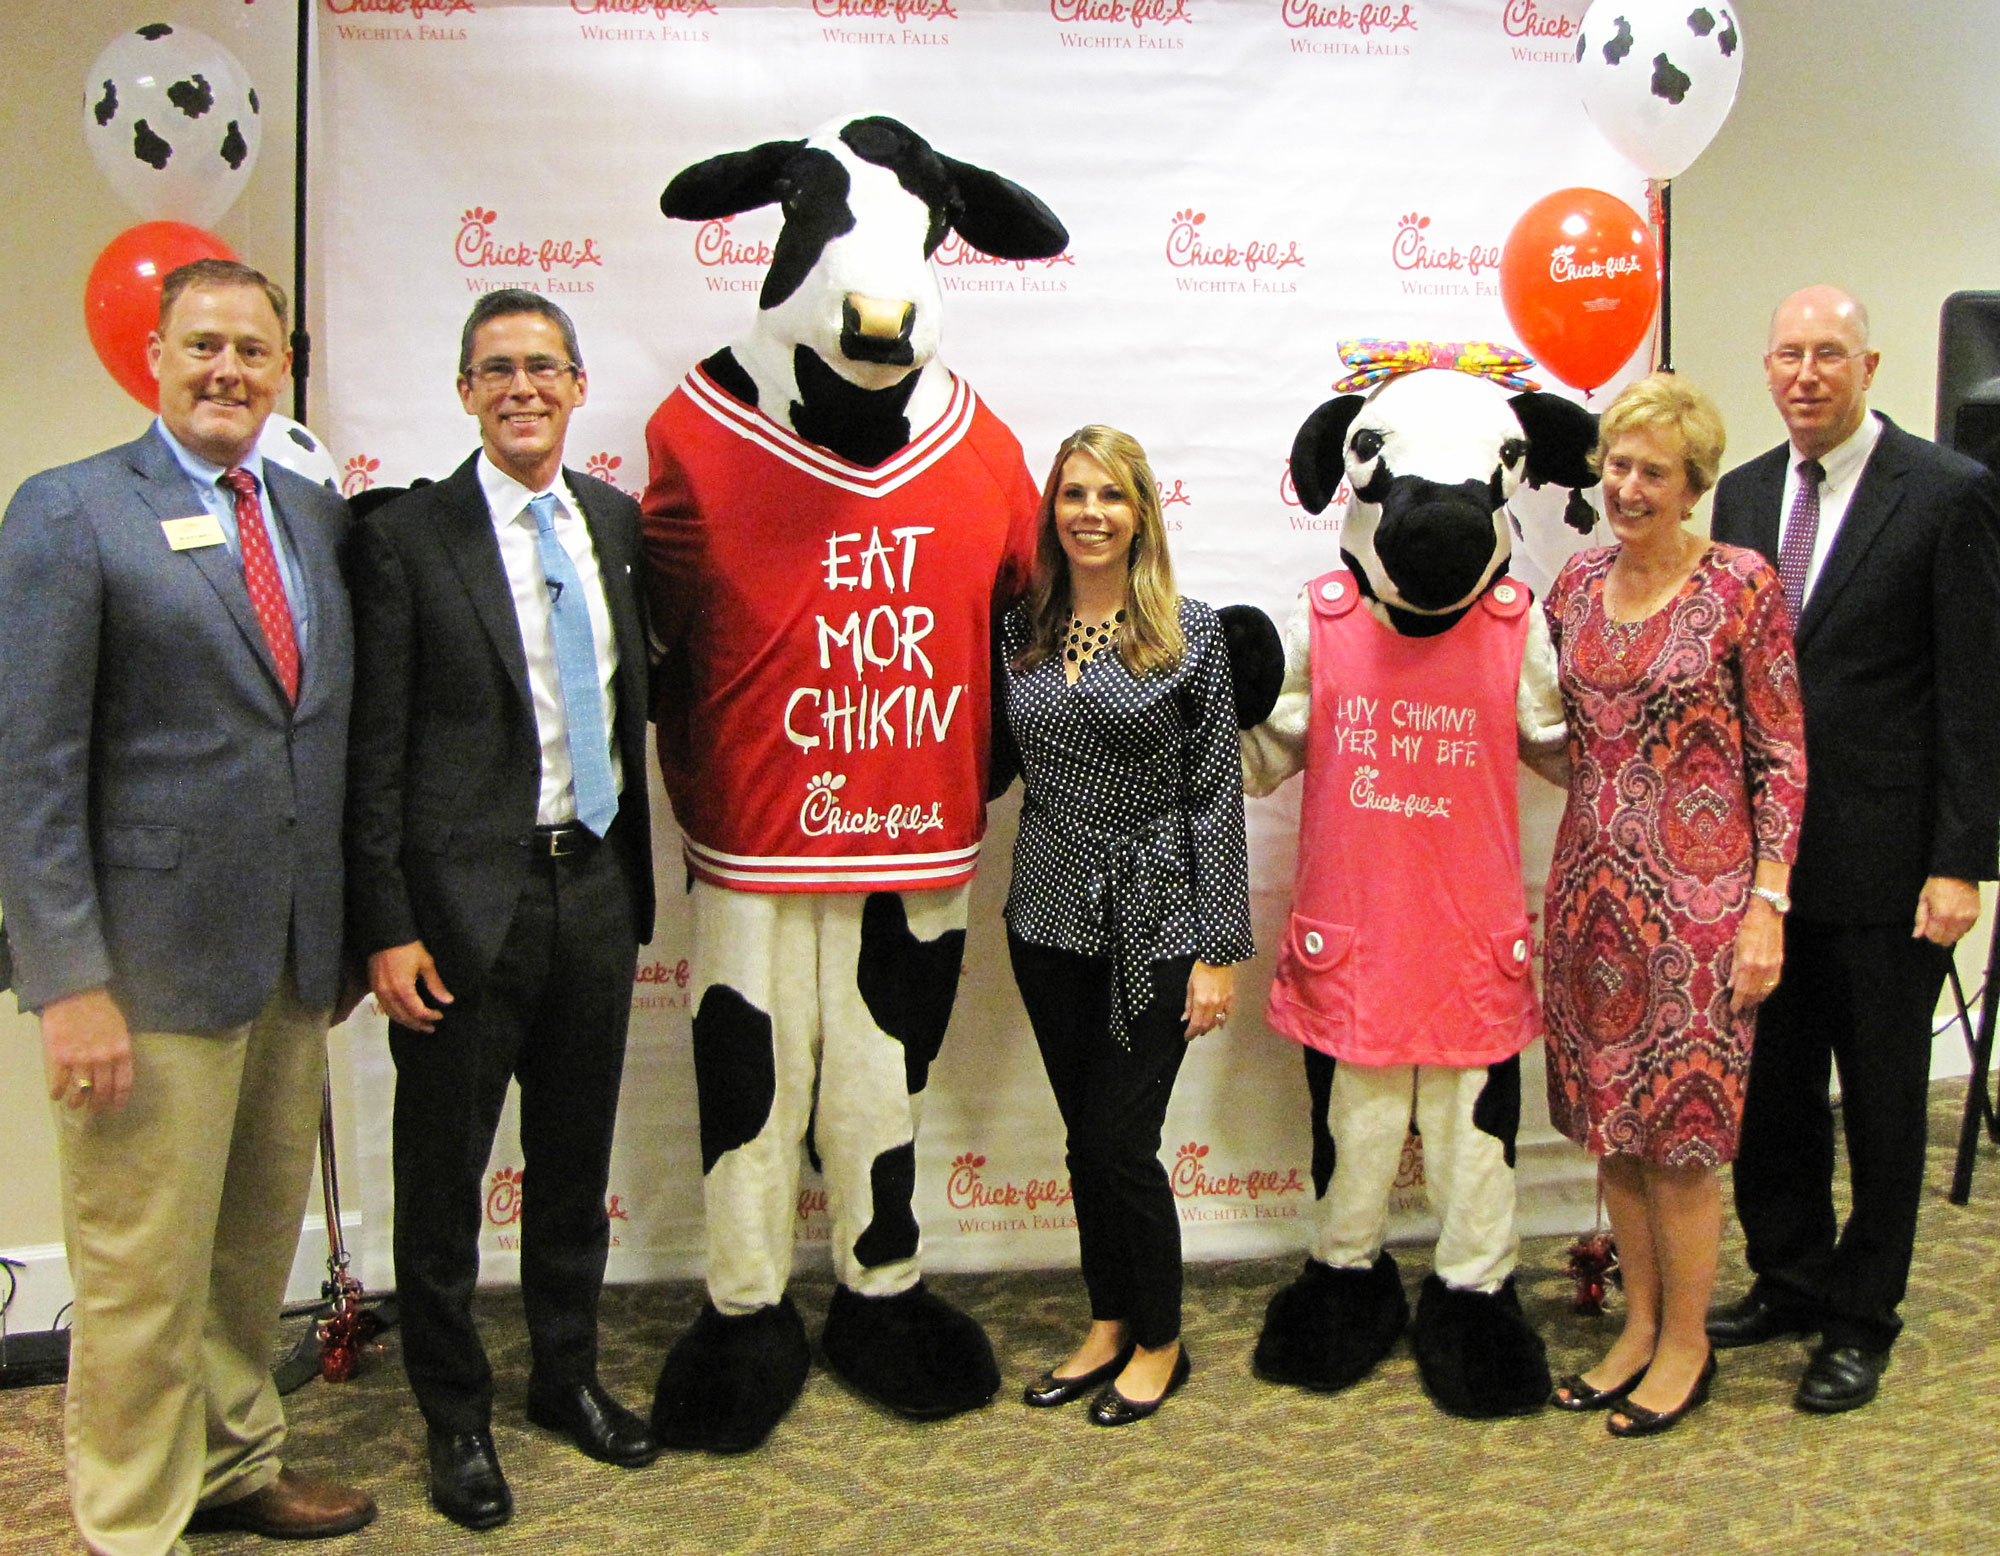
(1889, 548)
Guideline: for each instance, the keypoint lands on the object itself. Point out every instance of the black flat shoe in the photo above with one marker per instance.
(465, 1480)
(1049, 1390)
(1112, 1408)
(1641, 1422)
(1572, 1393)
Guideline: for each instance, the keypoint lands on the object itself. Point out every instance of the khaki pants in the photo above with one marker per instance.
(181, 1214)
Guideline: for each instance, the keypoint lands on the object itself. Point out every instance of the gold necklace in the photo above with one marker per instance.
(1085, 638)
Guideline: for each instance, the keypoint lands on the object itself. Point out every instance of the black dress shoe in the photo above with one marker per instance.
(1049, 1390)
(1112, 1408)
(466, 1484)
(1572, 1393)
(1638, 1421)
(1750, 1320)
(599, 1426)
(1840, 1377)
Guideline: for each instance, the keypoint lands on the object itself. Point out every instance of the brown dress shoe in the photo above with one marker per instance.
(290, 1508)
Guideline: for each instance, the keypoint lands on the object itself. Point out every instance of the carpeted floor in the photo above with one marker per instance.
(1231, 1465)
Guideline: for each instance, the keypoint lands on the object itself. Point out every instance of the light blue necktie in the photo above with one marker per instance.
(576, 669)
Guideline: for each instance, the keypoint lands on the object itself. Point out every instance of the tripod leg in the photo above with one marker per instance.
(1978, 1105)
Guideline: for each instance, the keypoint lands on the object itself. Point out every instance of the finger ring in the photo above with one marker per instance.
(84, 1083)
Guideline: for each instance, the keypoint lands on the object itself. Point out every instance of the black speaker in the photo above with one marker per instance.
(1968, 392)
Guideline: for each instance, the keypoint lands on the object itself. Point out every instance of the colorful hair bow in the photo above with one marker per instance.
(1377, 361)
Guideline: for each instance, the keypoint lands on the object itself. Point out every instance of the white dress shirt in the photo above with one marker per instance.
(507, 501)
(1843, 467)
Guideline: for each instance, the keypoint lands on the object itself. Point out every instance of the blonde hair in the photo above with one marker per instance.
(1666, 400)
(1150, 636)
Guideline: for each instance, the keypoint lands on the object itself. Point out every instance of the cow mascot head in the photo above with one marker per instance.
(1412, 675)
(832, 518)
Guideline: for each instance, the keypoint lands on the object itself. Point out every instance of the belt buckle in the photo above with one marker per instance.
(563, 841)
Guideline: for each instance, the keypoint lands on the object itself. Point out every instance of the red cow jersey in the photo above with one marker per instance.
(824, 706)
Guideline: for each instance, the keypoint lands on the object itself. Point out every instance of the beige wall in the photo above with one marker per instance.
(1865, 150)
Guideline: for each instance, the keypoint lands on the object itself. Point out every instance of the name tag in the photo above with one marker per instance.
(204, 529)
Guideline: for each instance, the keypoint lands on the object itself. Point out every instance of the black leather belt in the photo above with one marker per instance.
(554, 842)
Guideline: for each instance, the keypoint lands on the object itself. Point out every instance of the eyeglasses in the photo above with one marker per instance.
(499, 372)
(1825, 358)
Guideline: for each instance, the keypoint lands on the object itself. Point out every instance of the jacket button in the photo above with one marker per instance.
(1314, 944)
(1331, 589)
(1504, 593)
(1520, 950)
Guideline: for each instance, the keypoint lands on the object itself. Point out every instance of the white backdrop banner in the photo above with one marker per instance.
(1246, 182)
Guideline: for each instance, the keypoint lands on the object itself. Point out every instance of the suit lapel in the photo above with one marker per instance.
(164, 487)
(1874, 500)
(1767, 499)
(465, 529)
(318, 569)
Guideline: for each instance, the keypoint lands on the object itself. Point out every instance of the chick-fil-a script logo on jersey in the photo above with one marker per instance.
(659, 10)
(1135, 14)
(478, 248)
(1367, 20)
(416, 10)
(1415, 247)
(1189, 248)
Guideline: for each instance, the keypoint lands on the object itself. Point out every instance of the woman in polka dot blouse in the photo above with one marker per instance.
(1130, 897)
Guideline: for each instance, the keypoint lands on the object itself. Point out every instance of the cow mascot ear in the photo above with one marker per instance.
(998, 217)
(734, 182)
(1319, 452)
(1561, 435)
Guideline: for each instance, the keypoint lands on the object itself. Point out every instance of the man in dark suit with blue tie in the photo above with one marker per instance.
(500, 880)
(176, 661)
(1889, 549)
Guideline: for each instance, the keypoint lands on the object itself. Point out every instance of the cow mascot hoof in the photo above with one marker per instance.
(913, 1353)
(729, 1380)
(1330, 1327)
(1476, 1354)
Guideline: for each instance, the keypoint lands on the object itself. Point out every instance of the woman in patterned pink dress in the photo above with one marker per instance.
(1663, 914)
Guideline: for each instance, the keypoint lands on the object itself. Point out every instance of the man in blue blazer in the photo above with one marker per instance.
(175, 672)
(1889, 549)
(500, 880)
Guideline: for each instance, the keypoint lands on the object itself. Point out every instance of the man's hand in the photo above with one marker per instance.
(87, 1051)
(399, 976)
(1946, 909)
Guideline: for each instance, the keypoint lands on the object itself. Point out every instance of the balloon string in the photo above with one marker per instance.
(1656, 217)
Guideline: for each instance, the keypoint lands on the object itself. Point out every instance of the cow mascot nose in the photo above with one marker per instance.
(832, 519)
(1411, 676)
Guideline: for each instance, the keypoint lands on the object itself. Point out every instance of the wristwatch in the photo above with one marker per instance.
(1780, 903)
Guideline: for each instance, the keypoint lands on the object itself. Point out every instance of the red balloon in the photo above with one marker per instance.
(121, 300)
(1580, 276)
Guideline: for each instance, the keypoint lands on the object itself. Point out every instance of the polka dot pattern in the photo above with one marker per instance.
(1131, 840)
(260, 577)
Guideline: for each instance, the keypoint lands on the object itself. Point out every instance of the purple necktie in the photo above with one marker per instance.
(1801, 530)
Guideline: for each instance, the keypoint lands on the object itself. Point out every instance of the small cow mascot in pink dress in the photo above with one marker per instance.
(1412, 677)
(834, 520)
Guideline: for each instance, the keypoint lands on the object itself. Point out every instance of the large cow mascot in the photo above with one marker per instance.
(1412, 675)
(833, 522)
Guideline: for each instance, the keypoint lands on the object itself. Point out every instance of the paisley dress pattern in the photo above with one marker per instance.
(1687, 765)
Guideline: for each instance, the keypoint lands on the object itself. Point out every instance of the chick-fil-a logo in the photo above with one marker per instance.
(1173, 494)
(659, 10)
(478, 249)
(1288, 494)
(955, 253)
(885, 10)
(715, 244)
(415, 9)
(1192, 1179)
(1524, 19)
(1364, 19)
(1187, 249)
(605, 467)
(967, 1189)
(1563, 265)
(1410, 249)
(1132, 13)
(358, 474)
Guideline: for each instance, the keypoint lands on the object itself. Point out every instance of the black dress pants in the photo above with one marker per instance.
(1857, 998)
(551, 1013)
(1113, 1098)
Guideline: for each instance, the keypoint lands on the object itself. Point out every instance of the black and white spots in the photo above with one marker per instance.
(907, 984)
(1659, 77)
(172, 121)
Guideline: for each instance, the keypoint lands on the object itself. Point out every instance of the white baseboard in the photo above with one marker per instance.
(42, 1286)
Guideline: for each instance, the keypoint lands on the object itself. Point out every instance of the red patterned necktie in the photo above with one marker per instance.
(1801, 530)
(260, 576)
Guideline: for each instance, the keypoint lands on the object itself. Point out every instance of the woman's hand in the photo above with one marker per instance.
(1207, 1007)
(1760, 953)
